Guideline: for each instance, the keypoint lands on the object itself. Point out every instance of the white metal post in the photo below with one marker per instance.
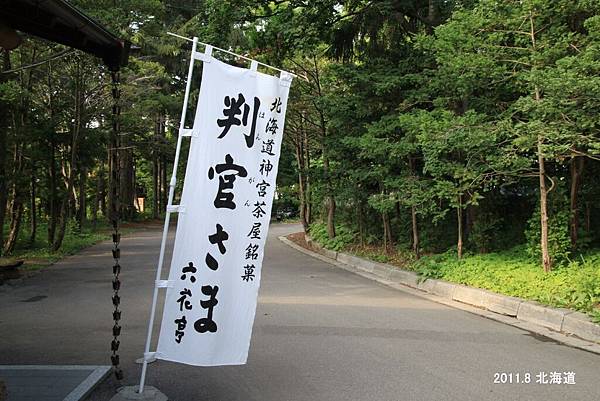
(167, 215)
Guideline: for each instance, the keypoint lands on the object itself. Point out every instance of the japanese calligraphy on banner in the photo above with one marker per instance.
(224, 216)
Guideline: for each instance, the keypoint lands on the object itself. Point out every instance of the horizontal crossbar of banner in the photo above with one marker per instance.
(237, 55)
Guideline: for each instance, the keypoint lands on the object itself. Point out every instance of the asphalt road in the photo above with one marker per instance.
(321, 333)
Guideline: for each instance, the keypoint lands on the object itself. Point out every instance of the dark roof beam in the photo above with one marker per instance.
(60, 22)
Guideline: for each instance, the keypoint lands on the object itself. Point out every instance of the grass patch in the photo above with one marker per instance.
(38, 254)
(575, 286)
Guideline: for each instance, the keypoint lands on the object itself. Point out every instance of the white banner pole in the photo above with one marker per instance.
(239, 55)
(167, 215)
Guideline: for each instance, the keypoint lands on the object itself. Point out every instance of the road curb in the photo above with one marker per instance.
(548, 317)
(563, 325)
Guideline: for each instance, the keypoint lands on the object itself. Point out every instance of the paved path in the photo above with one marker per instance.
(321, 333)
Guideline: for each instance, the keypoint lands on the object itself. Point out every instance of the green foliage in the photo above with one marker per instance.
(559, 241)
(484, 231)
(383, 203)
(409, 109)
(344, 237)
(438, 235)
(286, 205)
(39, 254)
(576, 285)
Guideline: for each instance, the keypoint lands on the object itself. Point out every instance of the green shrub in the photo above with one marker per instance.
(559, 241)
(484, 231)
(575, 285)
(381, 258)
(344, 236)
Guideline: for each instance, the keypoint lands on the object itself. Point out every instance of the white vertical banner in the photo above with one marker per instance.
(224, 216)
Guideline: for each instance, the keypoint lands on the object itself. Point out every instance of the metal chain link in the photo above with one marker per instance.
(114, 217)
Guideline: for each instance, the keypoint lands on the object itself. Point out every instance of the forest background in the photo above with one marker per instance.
(459, 139)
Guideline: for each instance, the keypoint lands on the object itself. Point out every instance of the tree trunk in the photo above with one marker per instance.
(387, 232)
(134, 192)
(63, 216)
(96, 202)
(102, 190)
(470, 218)
(33, 209)
(308, 203)
(431, 16)
(307, 194)
(159, 184)
(20, 122)
(16, 214)
(329, 200)
(16, 204)
(126, 183)
(415, 232)
(413, 212)
(155, 173)
(165, 184)
(164, 187)
(331, 216)
(70, 178)
(52, 165)
(577, 164)
(546, 261)
(52, 215)
(114, 154)
(459, 215)
(588, 218)
(3, 186)
(3, 148)
(303, 207)
(82, 210)
(299, 153)
(301, 189)
(73, 205)
(155, 190)
(361, 224)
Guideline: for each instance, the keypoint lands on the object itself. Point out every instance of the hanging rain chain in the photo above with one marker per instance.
(114, 217)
